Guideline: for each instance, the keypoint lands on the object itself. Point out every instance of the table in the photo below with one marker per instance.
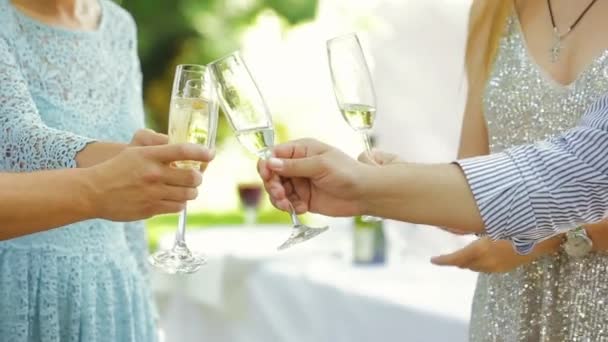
(248, 292)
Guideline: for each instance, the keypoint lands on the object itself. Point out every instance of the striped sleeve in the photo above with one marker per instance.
(532, 192)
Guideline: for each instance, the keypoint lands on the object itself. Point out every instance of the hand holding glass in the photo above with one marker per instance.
(250, 119)
(192, 119)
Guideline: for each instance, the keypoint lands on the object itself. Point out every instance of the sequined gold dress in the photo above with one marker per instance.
(556, 298)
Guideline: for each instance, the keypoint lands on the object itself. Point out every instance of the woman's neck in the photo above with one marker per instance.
(74, 14)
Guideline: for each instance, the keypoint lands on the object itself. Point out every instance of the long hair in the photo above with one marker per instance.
(486, 25)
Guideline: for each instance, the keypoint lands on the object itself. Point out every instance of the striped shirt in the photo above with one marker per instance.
(532, 192)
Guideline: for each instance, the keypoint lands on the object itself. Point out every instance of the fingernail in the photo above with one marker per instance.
(276, 164)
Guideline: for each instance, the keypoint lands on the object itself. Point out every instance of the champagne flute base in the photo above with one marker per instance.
(300, 234)
(177, 261)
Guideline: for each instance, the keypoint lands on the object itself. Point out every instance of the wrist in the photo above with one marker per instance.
(549, 246)
(97, 152)
(375, 188)
(87, 181)
(362, 185)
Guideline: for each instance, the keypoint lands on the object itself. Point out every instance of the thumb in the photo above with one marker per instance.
(301, 167)
(443, 260)
(458, 258)
(147, 137)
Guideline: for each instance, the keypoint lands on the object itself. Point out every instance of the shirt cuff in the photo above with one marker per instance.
(498, 187)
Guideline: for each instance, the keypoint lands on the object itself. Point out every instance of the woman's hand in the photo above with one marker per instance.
(315, 177)
(148, 137)
(485, 255)
(488, 256)
(140, 182)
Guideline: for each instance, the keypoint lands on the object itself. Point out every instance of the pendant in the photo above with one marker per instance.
(556, 48)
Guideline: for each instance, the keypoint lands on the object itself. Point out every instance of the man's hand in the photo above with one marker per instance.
(140, 182)
(314, 177)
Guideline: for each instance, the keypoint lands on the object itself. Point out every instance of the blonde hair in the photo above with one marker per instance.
(487, 21)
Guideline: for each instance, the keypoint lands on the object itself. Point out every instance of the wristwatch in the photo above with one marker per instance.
(577, 243)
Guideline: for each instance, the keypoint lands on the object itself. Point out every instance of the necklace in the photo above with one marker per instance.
(556, 47)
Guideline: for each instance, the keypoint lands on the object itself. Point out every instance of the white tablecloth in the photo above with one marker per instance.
(249, 292)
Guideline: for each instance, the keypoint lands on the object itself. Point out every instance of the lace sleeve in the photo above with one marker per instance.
(26, 143)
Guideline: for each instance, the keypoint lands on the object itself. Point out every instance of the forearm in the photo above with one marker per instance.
(35, 202)
(439, 195)
(427, 194)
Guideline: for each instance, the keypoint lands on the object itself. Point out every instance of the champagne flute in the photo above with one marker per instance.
(192, 119)
(353, 88)
(249, 117)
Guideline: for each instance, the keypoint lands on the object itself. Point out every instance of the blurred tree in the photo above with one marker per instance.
(196, 31)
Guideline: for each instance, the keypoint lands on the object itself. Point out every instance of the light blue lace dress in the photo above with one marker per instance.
(59, 90)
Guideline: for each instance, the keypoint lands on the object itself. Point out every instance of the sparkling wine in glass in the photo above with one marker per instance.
(250, 118)
(250, 195)
(192, 119)
(353, 88)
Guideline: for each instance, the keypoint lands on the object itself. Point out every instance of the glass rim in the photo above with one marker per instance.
(192, 67)
(350, 35)
(236, 54)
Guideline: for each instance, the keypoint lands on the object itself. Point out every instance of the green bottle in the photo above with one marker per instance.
(369, 243)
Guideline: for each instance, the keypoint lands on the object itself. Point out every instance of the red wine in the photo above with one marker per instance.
(250, 194)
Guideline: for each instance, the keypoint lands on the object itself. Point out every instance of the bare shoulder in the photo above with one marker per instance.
(477, 7)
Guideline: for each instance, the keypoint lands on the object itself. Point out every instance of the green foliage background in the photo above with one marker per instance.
(173, 32)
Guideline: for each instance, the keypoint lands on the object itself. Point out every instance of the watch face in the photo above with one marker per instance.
(578, 245)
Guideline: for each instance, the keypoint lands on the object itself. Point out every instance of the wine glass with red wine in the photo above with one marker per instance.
(251, 196)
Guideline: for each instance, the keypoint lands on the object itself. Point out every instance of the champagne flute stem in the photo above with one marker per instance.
(295, 221)
(368, 146)
(180, 234)
(251, 215)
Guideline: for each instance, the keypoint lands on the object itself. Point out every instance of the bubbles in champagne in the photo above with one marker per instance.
(189, 123)
(257, 140)
(359, 117)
